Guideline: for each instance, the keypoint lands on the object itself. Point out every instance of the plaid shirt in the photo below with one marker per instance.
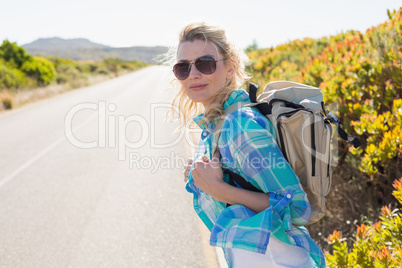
(248, 147)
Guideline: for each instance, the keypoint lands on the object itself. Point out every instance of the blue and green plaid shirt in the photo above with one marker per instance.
(248, 147)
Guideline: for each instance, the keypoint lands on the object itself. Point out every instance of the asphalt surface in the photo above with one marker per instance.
(93, 178)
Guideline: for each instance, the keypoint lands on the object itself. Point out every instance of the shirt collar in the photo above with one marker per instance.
(239, 95)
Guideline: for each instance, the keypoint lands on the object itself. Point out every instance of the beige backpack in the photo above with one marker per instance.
(304, 133)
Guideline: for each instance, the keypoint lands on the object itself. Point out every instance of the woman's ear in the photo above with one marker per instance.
(230, 71)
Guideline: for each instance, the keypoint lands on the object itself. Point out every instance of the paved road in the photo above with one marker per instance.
(92, 178)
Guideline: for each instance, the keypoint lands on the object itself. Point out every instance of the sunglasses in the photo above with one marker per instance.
(206, 65)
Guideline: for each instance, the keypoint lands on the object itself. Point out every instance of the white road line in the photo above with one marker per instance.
(38, 156)
(53, 145)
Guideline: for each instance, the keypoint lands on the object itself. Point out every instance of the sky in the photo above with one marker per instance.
(122, 23)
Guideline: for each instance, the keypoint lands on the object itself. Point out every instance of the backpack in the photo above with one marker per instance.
(304, 131)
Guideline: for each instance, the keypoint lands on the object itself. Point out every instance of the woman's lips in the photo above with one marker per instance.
(198, 86)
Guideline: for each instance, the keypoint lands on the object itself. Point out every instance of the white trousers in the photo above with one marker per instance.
(278, 255)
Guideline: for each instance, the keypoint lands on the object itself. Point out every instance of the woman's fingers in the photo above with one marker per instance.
(187, 169)
(216, 158)
(186, 174)
(217, 154)
(205, 159)
(202, 163)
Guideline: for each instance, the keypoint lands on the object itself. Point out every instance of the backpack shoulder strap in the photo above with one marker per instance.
(234, 177)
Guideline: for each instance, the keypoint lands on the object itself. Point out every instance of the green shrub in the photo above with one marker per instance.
(138, 64)
(127, 66)
(284, 61)
(61, 78)
(10, 77)
(103, 71)
(113, 65)
(13, 54)
(62, 65)
(92, 67)
(84, 67)
(41, 69)
(375, 245)
(18, 69)
(361, 75)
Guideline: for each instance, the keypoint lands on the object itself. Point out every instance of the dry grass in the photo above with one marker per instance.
(353, 200)
(6, 100)
(23, 96)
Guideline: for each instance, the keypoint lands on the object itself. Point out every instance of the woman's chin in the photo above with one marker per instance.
(198, 97)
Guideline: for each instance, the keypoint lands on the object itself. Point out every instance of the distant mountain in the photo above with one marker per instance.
(56, 43)
(84, 49)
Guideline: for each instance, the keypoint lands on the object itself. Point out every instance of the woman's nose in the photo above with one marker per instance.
(194, 73)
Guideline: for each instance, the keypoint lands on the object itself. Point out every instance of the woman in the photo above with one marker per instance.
(258, 229)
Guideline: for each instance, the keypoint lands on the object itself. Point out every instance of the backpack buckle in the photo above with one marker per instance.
(332, 118)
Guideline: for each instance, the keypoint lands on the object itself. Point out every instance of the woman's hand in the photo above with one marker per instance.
(187, 169)
(208, 175)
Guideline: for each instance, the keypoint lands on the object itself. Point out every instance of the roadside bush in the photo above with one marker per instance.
(103, 71)
(6, 99)
(127, 66)
(285, 61)
(81, 80)
(361, 75)
(93, 67)
(20, 71)
(113, 64)
(14, 54)
(376, 244)
(85, 67)
(41, 69)
(61, 79)
(10, 77)
(62, 65)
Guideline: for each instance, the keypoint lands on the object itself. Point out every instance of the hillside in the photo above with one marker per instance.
(56, 43)
(84, 49)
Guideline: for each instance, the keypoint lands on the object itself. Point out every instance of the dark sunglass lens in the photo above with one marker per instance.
(181, 70)
(206, 65)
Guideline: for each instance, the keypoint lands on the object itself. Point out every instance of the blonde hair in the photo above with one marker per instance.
(217, 36)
